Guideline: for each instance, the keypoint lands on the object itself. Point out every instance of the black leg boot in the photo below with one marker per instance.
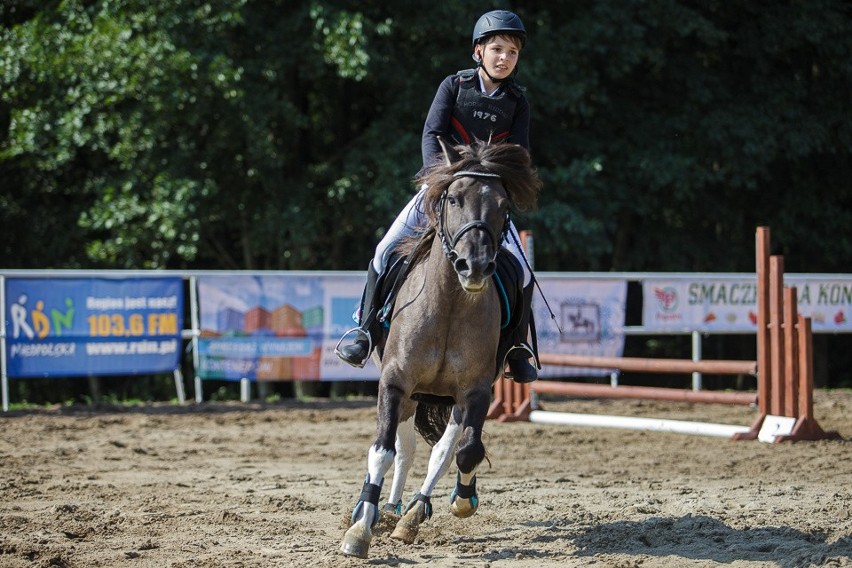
(357, 352)
(518, 357)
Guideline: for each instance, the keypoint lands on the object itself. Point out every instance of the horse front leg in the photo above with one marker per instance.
(356, 541)
(406, 444)
(464, 500)
(419, 508)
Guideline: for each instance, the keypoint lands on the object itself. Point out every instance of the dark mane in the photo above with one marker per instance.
(510, 161)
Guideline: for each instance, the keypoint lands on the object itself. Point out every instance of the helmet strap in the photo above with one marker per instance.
(479, 65)
(509, 77)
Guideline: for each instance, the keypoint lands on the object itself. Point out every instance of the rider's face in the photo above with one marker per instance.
(499, 55)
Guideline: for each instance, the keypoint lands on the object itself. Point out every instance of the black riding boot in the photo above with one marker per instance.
(357, 352)
(518, 357)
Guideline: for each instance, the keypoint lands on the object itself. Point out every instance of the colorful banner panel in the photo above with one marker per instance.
(277, 327)
(590, 314)
(729, 304)
(92, 326)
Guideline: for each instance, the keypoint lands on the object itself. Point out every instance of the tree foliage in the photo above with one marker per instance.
(275, 135)
(686, 124)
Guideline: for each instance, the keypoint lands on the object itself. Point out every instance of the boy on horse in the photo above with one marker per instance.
(480, 104)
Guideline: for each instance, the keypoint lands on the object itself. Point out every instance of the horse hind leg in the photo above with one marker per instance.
(419, 509)
(406, 443)
(356, 541)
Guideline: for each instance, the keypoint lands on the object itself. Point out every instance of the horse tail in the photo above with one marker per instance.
(431, 419)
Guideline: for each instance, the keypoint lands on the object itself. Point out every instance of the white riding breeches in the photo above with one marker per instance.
(412, 218)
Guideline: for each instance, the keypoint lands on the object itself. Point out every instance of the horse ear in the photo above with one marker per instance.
(450, 153)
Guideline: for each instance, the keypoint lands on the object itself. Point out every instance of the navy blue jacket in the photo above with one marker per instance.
(438, 121)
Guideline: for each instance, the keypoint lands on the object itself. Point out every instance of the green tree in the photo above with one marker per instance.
(668, 130)
(164, 134)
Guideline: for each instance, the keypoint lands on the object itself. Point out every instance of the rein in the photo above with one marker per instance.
(448, 243)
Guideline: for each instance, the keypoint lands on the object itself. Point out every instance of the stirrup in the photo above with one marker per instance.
(523, 351)
(359, 332)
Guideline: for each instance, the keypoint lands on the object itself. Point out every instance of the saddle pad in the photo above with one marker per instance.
(509, 281)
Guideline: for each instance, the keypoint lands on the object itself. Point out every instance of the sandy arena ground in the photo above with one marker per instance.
(253, 485)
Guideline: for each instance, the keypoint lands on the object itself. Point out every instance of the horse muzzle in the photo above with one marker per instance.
(473, 276)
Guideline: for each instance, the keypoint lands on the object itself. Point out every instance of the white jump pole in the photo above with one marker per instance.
(632, 423)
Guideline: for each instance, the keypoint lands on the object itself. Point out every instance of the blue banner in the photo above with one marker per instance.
(92, 326)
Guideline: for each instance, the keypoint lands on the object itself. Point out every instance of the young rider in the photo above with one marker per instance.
(484, 103)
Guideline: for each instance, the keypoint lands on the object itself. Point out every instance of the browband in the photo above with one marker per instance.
(464, 173)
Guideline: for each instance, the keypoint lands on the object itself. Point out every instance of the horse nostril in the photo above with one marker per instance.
(461, 266)
(490, 268)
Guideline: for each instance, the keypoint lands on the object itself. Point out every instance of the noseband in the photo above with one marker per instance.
(448, 243)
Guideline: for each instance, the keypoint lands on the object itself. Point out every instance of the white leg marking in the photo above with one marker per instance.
(442, 454)
(378, 463)
(406, 443)
(467, 478)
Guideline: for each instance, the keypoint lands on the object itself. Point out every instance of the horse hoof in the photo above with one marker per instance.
(409, 525)
(464, 508)
(405, 533)
(356, 549)
(355, 542)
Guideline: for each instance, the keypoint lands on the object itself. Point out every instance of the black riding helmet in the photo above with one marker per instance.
(499, 22)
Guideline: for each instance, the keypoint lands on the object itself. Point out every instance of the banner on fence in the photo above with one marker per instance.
(730, 304)
(285, 327)
(277, 327)
(591, 315)
(92, 326)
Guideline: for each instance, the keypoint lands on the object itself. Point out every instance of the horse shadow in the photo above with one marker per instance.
(704, 538)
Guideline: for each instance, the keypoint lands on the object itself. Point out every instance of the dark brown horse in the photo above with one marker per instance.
(443, 338)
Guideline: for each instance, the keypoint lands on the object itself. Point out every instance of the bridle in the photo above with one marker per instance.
(448, 243)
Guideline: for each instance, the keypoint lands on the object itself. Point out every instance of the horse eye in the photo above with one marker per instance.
(452, 200)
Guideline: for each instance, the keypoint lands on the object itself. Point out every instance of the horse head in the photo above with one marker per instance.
(468, 202)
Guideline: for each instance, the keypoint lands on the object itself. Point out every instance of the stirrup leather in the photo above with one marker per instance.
(359, 333)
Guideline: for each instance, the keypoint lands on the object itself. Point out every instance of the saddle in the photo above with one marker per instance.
(508, 279)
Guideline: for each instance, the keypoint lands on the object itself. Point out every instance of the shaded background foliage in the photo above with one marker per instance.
(238, 134)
